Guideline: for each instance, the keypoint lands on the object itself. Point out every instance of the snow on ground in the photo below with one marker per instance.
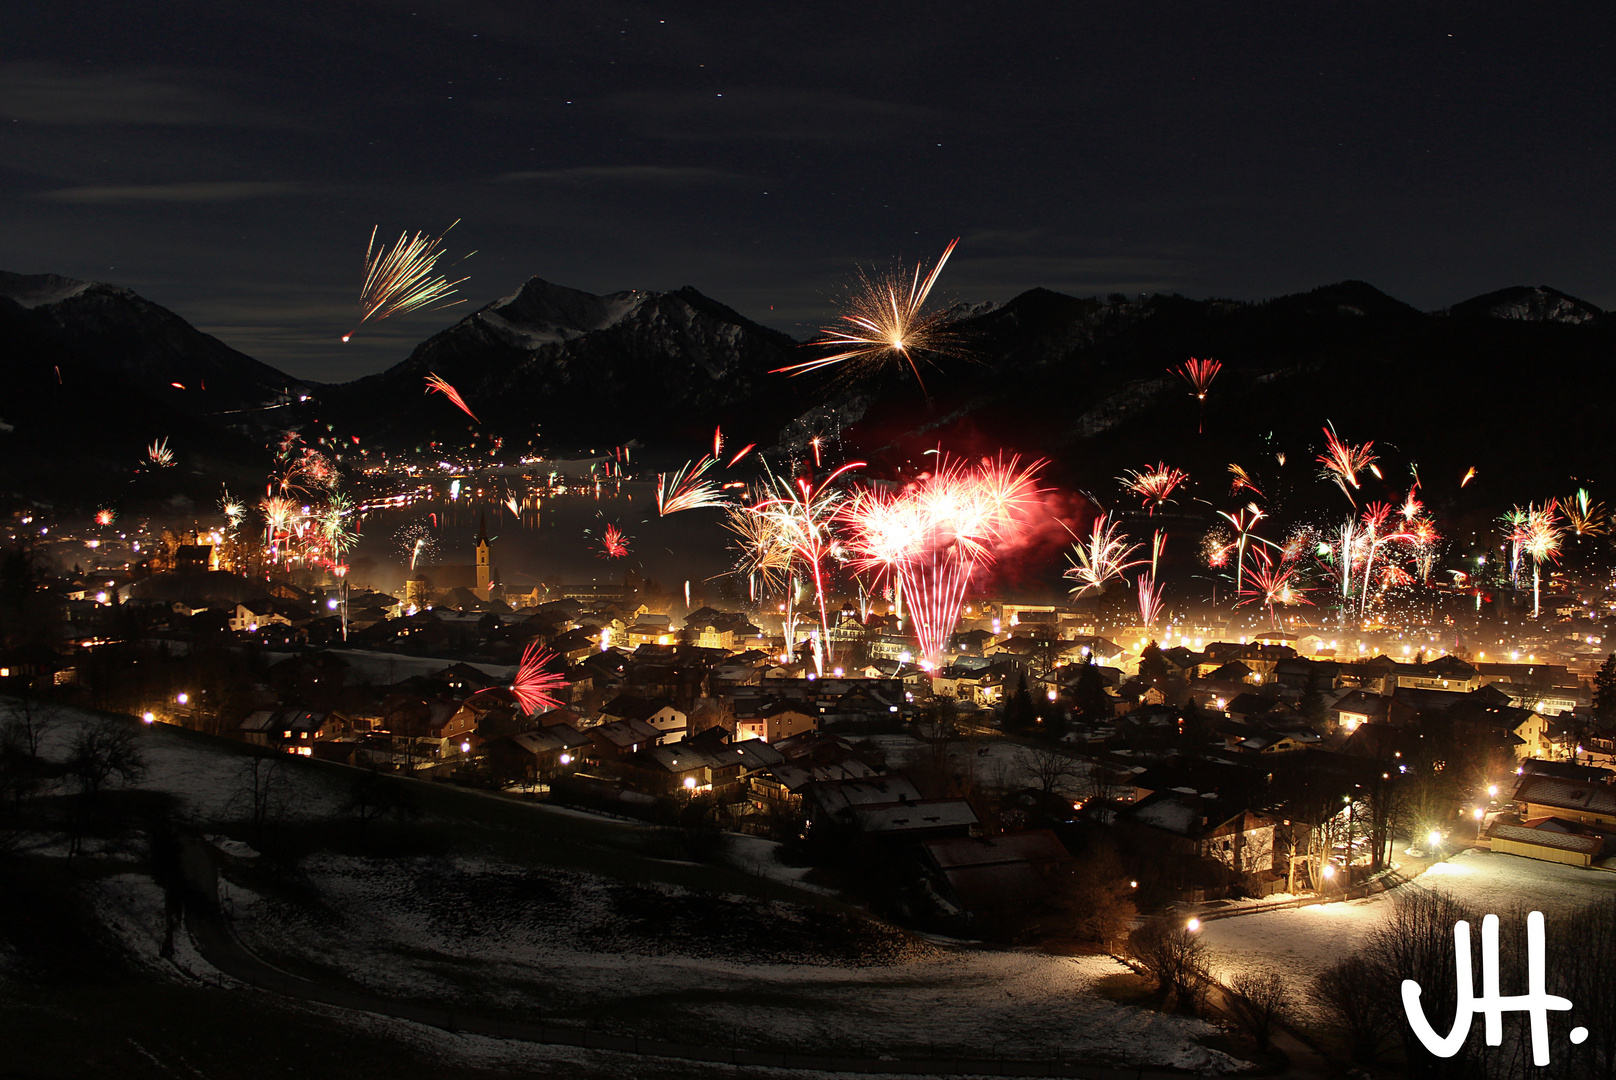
(664, 962)
(133, 908)
(759, 856)
(1300, 942)
(206, 775)
(994, 760)
(385, 668)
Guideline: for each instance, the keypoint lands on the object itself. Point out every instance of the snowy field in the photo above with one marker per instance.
(385, 668)
(1300, 942)
(205, 774)
(992, 760)
(564, 945)
(664, 962)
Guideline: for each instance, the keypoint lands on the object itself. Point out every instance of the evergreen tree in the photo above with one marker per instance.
(1153, 665)
(1089, 696)
(1018, 710)
(1312, 707)
(1605, 688)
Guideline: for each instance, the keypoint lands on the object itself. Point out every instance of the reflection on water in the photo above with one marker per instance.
(557, 542)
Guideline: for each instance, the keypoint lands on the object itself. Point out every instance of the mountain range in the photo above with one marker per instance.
(1512, 383)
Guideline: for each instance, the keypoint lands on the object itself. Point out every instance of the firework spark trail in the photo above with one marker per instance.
(884, 326)
(1375, 516)
(1584, 516)
(1199, 374)
(1242, 479)
(1343, 462)
(805, 513)
(280, 516)
(400, 279)
(764, 554)
(747, 449)
(159, 454)
(1102, 557)
(1244, 522)
(1158, 544)
(1272, 583)
(1515, 533)
(1470, 474)
(436, 383)
(332, 518)
(536, 687)
(934, 534)
(1543, 534)
(685, 489)
(614, 544)
(1150, 600)
(1153, 484)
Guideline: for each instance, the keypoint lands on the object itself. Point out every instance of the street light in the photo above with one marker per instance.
(1193, 926)
(1434, 837)
(183, 699)
(148, 716)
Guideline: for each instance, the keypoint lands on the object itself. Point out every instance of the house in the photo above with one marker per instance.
(291, 730)
(671, 724)
(1205, 826)
(537, 754)
(995, 875)
(620, 738)
(1360, 707)
(1546, 844)
(1525, 730)
(772, 721)
(1443, 673)
(1582, 801)
(914, 820)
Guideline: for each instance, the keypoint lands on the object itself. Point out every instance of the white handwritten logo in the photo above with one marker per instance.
(1536, 1002)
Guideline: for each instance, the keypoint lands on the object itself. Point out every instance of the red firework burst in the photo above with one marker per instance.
(536, 685)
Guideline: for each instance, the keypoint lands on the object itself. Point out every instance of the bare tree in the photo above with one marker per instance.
(1260, 1001)
(264, 792)
(1050, 772)
(103, 751)
(29, 720)
(1354, 993)
(1175, 957)
(374, 796)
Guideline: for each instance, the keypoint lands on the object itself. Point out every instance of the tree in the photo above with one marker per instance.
(1153, 665)
(1094, 898)
(1351, 989)
(30, 719)
(1605, 689)
(264, 793)
(1050, 771)
(1018, 708)
(1175, 957)
(374, 796)
(1090, 695)
(1312, 707)
(1260, 1001)
(102, 751)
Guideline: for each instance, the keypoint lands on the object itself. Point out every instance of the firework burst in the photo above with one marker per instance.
(614, 545)
(1199, 374)
(886, 325)
(1343, 462)
(804, 514)
(1101, 557)
(1150, 600)
(1543, 532)
(686, 488)
(1272, 583)
(106, 516)
(1154, 485)
(436, 383)
(536, 686)
(934, 534)
(159, 455)
(1242, 479)
(1584, 516)
(400, 278)
(765, 557)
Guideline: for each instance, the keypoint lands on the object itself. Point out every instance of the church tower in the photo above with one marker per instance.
(485, 567)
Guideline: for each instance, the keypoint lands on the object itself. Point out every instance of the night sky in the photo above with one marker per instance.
(228, 160)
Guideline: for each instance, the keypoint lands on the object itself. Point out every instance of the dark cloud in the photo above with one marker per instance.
(767, 112)
(627, 174)
(204, 192)
(43, 93)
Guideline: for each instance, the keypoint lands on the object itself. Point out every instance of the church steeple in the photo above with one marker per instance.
(485, 562)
